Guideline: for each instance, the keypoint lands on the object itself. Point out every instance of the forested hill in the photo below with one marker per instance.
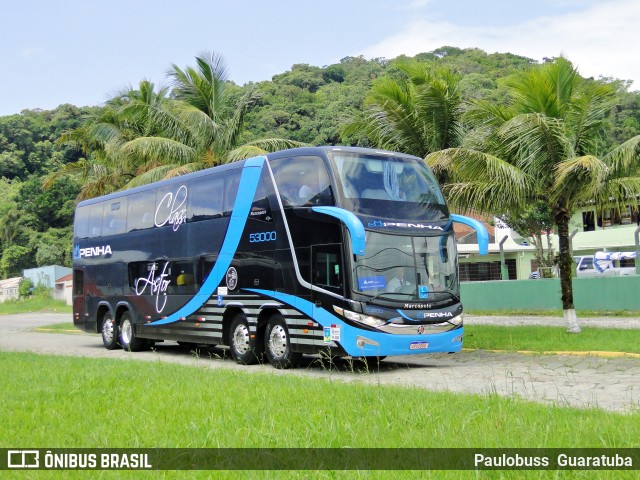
(307, 104)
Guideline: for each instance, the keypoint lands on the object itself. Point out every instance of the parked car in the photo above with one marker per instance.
(605, 264)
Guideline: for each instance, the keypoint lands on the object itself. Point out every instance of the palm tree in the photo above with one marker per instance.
(417, 114)
(542, 147)
(143, 135)
(202, 127)
(131, 113)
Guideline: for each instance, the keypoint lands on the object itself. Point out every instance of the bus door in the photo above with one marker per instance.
(327, 270)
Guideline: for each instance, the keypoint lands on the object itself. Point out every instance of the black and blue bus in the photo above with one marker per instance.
(342, 250)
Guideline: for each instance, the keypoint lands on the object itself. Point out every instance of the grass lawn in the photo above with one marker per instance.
(522, 338)
(34, 304)
(53, 402)
(555, 313)
(550, 339)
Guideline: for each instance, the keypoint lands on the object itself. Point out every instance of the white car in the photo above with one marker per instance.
(604, 264)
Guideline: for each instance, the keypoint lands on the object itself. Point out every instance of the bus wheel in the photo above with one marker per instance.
(128, 338)
(109, 332)
(277, 344)
(244, 349)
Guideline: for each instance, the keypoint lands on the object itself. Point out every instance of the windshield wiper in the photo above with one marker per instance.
(390, 293)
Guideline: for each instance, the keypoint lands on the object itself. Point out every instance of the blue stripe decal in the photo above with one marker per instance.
(388, 344)
(246, 191)
(353, 223)
(483, 235)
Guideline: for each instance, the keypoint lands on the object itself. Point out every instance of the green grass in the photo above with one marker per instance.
(34, 304)
(529, 338)
(546, 339)
(555, 313)
(52, 402)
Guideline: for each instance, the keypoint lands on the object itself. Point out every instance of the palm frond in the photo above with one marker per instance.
(536, 142)
(480, 181)
(578, 179)
(624, 160)
(149, 149)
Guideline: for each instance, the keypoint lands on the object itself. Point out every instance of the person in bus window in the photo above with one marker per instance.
(399, 281)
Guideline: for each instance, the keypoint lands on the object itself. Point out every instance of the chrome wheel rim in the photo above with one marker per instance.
(107, 330)
(278, 341)
(241, 339)
(126, 331)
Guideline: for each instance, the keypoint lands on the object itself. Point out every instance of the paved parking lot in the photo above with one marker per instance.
(609, 383)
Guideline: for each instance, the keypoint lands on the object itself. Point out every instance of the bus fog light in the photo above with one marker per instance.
(457, 339)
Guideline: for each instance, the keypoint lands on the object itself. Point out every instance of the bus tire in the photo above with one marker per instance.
(277, 344)
(244, 349)
(128, 338)
(110, 332)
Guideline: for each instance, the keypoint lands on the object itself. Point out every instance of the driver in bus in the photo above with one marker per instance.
(399, 281)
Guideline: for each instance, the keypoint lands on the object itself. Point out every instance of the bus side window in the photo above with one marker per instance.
(114, 220)
(327, 267)
(182, 273)
(81, 222)
(95, 220)
(231, 182)
(206, 265)
(205, 198)
(141, 210)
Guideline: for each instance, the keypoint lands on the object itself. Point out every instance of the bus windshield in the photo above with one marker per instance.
(408, 268)
(402, 187)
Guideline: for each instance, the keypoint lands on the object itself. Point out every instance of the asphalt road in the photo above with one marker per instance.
(611, 384)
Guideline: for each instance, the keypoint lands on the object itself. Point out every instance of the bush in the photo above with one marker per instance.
(41, 291)
(24, 287)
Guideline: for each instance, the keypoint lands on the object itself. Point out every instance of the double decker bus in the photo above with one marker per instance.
(342, 250)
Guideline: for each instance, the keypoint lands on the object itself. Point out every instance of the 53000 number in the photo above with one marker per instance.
(262, 237)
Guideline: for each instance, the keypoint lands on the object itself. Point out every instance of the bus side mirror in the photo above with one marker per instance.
(353, 224)
(481, 231)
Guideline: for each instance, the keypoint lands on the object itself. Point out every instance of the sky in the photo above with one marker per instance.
(84, 51)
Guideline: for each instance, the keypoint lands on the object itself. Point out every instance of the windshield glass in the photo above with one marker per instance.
(389, 186)
(407, 268)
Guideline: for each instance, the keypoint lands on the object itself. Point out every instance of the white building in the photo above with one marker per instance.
(9, 289)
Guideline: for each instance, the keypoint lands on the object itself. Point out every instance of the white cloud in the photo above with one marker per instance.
(600, 41)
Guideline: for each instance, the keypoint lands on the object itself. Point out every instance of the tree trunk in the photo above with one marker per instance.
(566, 271)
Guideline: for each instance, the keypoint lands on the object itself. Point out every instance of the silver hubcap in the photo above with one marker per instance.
(107, 330)
(241, 339)
(126, 331)
(278, 341)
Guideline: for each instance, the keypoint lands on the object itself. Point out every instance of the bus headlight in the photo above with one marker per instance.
(360, 318)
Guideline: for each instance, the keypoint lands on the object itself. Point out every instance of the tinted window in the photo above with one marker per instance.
(205, 198)
(171, 205)
(95, 219)
(141, 210)
(302, 181)
(232, 180)
(114, 219)
(327, 267)
(81, 223)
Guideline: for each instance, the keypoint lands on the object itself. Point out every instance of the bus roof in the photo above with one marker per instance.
(180, 178)
(229, 166)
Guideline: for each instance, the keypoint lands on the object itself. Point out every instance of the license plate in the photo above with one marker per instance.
(418, 345)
